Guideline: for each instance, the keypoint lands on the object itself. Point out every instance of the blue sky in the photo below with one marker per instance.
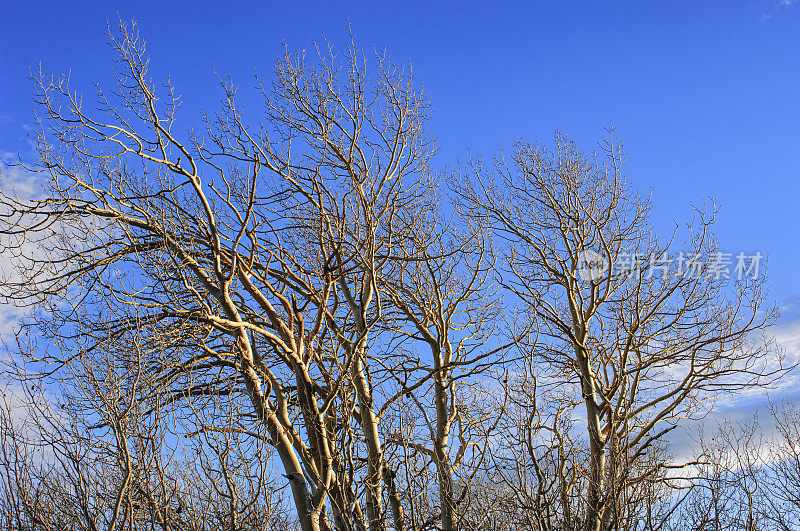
(705, 95)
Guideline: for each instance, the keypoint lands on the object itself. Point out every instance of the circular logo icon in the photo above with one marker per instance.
(591, 266)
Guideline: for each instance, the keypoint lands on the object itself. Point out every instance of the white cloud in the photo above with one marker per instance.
(752, 405)
(17, 182)
(777, 6)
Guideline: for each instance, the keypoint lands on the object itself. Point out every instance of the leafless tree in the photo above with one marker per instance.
(249, 258)
(293, 302)
(101, 455)
(639, 348)
(444, 300)
(782, 482)
(748, 477)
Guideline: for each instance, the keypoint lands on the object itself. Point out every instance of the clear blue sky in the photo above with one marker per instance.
(705, 95)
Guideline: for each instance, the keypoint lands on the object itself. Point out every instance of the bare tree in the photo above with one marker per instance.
(782, 482)
(444, 299)
(289, 302)
(102, 455)
(748, 477)
(639, 348)
(249, 259)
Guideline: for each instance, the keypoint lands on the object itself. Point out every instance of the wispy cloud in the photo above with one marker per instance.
(18, 182)
(777, 7)
(752, 405)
